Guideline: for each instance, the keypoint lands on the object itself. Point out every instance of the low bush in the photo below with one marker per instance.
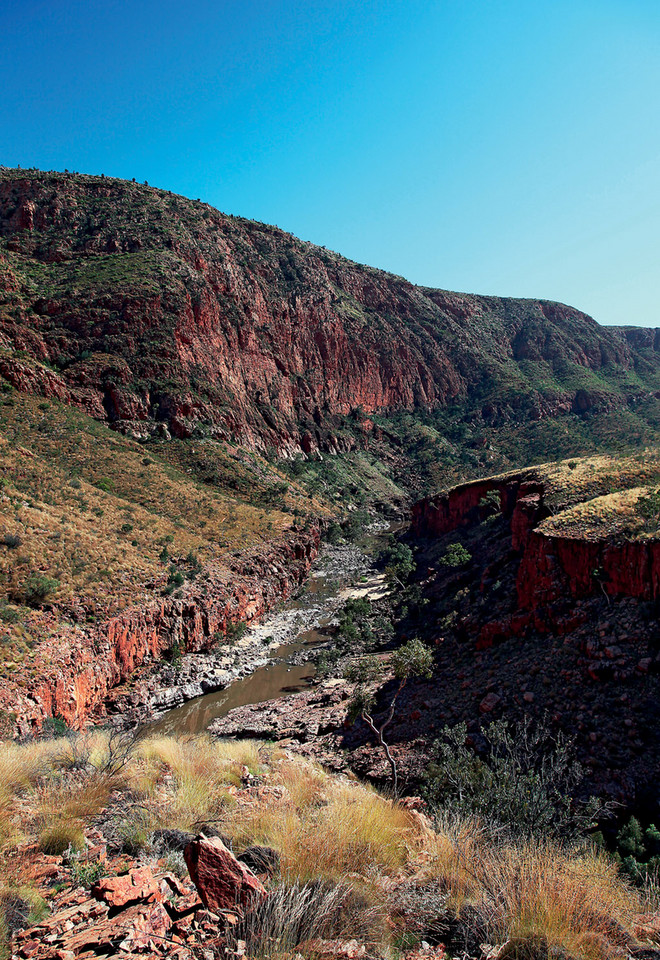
(85, 873)
(523, 784)
(12, 541)
(105, 484)
(37, 589)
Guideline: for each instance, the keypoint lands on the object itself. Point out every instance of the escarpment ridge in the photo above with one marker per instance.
(161, 315)
(574, 536)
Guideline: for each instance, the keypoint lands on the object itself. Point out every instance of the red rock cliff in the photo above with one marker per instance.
(551, 567)
(71, 675)
(159, 312)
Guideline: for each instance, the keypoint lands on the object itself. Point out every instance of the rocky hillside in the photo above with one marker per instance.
(163, 316)
(541, 593)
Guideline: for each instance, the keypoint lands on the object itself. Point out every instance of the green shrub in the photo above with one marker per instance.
(456, 556)
(355, 524)
(648, 507)
(85, 873)
(37, 588)
(235, 631)
(105, 484)
(638, 850)
(490, 502)
(12, 541)
(399, 562)
(54, 727)
(524, 784)
(8, 614)
(334, 534)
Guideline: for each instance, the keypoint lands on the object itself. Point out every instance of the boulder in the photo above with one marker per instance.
(222, 881)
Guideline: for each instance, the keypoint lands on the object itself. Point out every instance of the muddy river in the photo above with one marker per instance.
(303, 623)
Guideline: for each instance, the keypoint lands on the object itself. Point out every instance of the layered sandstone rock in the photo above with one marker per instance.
(78, 667)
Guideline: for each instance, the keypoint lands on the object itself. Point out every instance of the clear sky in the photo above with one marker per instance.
(492, 146)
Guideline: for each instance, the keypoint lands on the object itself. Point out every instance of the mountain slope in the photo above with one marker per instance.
(161, 315)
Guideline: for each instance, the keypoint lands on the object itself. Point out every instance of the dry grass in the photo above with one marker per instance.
(332, 834)
(86, 507)
(200, 756)
(199, 772)
(614, 514)
(599, 489)
(62, 807)
(575, 902)
(21, 765)
(583, 478)
(327, 828)
(294, 916)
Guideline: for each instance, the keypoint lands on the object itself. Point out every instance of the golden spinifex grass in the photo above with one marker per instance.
(328, 830)
(572, 899)
(324, 827)
(86, 518)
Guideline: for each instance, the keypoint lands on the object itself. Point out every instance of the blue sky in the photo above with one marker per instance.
(493, 146)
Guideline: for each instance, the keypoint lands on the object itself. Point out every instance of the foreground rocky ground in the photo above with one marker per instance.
(200, 849)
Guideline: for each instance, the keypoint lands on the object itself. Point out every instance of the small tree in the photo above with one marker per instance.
(399, 563)
(412, 659)
(456, 556)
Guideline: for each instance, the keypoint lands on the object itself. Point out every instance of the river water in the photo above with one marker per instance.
(338, 574)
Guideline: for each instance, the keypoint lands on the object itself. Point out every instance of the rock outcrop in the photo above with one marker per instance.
(549, 610)
(551, 566)
(162, 315)
(222, 881)
(73, 672)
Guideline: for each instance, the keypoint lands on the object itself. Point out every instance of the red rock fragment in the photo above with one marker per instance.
(489, 702)
(222, 881)
(139, 884)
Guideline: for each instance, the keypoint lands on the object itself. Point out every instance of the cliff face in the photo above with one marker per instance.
(550, 613)
(551, 567)
(158, 313)
(72, 673)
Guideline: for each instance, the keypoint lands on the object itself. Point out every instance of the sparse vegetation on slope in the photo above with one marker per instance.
(400, 878)
(161, 314)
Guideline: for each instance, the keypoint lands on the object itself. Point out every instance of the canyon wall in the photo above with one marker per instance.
(551, 567)
(72, 673)
(157, 313)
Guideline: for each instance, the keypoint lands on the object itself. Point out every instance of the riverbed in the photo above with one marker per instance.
(276, 655)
